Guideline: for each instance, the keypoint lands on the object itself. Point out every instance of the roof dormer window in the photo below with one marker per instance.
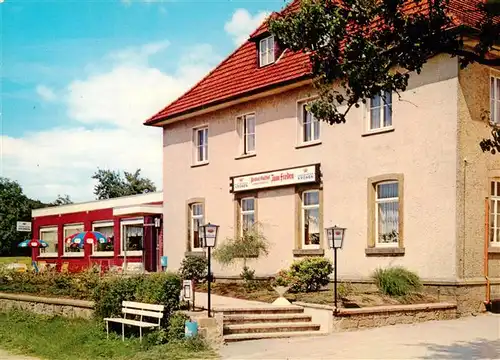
(266, 51)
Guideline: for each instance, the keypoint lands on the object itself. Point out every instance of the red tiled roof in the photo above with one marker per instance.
(239, 74)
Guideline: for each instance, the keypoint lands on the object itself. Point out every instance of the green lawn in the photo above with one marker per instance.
(70, 339)
(15, 259)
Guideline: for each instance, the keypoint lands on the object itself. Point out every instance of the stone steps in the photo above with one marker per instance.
(261, 310)
(270, 328)
(265, 318)
(276, 335)
(266, 322)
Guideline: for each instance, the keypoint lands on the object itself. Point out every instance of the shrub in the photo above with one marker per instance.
(397, 281)
(160, 288)
(193, 268)
(306, 275)
(176, 326)
(109, 294)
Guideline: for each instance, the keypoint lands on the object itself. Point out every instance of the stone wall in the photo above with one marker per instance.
(47, 306)
(211, 329)
(469, 295)
(369, 317)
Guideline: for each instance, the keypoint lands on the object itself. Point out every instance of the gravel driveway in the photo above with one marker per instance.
(4, 355)
(466, 338)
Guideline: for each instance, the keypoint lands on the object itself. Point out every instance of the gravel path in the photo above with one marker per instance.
(466, 338)
(4, 355)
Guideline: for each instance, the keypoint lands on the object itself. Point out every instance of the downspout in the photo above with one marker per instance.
(486, 245)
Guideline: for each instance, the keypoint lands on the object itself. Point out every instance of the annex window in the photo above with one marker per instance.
(49, 235)
(246, 129)
(310, 126)
(200, 140)
(132, 237)
(495, 213)
(107, 229)
(266, 51)
(380, 116)
(495, 100)
(387, 213)
(196, 215)
(310, 219)
(247, 218)
(69, 248)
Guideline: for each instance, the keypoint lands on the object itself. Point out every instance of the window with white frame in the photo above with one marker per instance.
(247, 217)
(72, 249)
(310, 126)
(132, 237)
(196, 220)
(107, 229)
(387, 214)
(200, 140)
(495, 213)
(49, 235)
(266, 51)
(380, 111)
(495, 100)
(246, 126)
(310, 219)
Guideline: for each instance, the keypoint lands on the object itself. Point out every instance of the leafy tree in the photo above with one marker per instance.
(14, 206)
(61, 200)
(346, 49)
(251, 244)
(111, 184)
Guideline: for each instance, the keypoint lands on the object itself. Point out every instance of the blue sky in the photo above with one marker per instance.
(80, 77)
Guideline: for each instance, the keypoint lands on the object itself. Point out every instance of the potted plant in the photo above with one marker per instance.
(281, 284)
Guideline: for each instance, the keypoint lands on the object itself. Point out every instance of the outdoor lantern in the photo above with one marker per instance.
(209, 236)
(335, 237)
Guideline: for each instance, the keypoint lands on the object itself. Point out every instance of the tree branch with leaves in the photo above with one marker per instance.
(361, 48)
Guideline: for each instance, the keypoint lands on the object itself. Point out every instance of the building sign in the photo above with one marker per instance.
(24, 226)
(291, 176)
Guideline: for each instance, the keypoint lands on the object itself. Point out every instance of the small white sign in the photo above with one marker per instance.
(187, 289)
(298, 175)
(24, 226)
(157, 222)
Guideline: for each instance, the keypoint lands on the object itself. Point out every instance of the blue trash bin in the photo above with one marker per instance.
(164, 261)
(191, 328)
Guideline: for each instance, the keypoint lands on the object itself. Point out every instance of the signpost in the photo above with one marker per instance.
(23, 226)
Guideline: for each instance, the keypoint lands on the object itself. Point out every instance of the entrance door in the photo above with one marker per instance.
(150, 244)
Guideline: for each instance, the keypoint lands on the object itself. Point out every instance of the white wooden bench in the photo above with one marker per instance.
(137, 309)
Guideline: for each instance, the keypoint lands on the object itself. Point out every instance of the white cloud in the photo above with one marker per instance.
(242, 24)
(109, 108)
(46, 93)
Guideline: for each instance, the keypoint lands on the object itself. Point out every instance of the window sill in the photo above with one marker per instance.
(103, 254)
(308, 144)
(378, 131)
(132, 253)
(73, 255)
(204, 163)
(385, 251)
(245, 156)
(48, 256)
(308, 252)
(494, 250)
(200, 253)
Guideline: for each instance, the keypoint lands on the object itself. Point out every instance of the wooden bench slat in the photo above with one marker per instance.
(131, 311)
(138, 305)
(131, 322)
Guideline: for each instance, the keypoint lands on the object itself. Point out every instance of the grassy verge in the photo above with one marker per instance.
(70, 339)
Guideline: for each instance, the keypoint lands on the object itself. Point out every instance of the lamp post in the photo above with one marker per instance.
(335, 236)
(208, 239)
